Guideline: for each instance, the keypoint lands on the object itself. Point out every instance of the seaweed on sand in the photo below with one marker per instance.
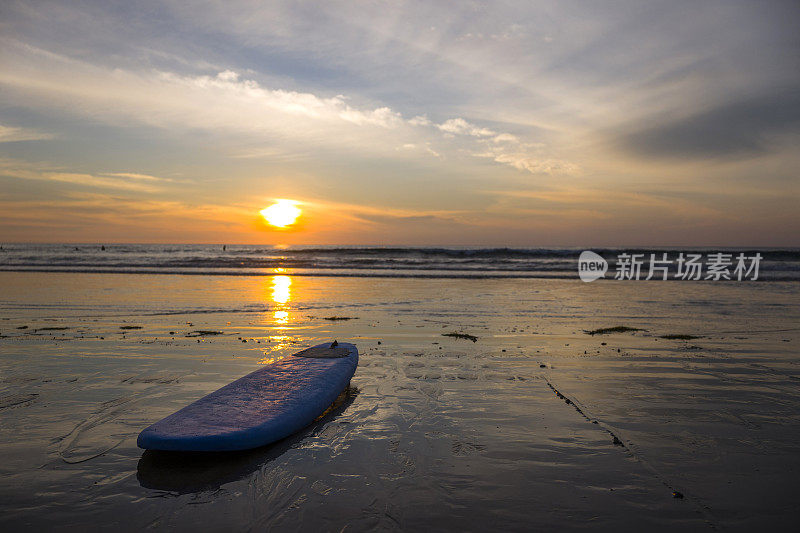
(458, 335)
(615, 329)
(680, 337)
(334, 318)
(203, 333)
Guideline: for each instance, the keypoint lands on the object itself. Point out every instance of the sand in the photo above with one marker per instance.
(536, 424)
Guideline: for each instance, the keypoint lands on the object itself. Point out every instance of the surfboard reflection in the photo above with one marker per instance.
(187, 472)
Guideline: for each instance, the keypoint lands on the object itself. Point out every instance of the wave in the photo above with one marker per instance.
(389, 273)
(353, 261)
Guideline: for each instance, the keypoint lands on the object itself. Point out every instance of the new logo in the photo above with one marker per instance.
(591, 266)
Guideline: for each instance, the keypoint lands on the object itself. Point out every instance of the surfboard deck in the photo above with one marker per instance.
(260, 408)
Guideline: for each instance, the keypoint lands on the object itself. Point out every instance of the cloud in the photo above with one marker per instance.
(506, 149)
(10, 134)
(74, 216)
(741, 128)
(459, 126)
(24, 170)
(419, 120)
(535, 165)
(277, 124)
(608, 202)
(366, 213)
(224, 103)
(423, 147)
(505, 138)
(134, 176)
(231, 90)
(528, 157)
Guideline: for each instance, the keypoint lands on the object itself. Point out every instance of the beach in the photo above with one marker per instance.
(688, 420)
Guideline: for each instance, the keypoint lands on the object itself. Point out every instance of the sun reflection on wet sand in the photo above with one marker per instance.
(281, 297)
(281, 289)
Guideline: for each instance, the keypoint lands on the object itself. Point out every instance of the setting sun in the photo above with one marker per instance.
(282, 213)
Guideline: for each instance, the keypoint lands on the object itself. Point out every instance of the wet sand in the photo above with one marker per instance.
(535, 424)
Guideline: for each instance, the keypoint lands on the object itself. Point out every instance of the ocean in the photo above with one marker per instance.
(363, 261)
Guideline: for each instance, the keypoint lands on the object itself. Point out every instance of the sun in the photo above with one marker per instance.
(282, 213)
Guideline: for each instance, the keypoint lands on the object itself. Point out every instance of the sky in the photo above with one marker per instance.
(523, 124)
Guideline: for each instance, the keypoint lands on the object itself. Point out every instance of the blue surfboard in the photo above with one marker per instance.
(260, 408)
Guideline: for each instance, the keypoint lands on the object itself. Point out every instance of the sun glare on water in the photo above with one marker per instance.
(282, 213)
